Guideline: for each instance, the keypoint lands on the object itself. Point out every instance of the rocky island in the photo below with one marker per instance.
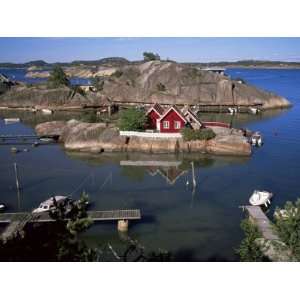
(142, 83)
(100, 137)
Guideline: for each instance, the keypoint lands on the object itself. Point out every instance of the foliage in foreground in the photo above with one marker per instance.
(248, 249)
(288, 226)
(61, 241)
(57, 78)
(190, 134)
(132, 119)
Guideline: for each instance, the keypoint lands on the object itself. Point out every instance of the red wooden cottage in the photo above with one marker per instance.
(171, 120)
(153, 114)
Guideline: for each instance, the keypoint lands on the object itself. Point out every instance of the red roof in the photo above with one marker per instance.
(157, 108)
(176, 110)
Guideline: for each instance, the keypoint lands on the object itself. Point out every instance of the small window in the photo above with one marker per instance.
(166, 124)
(45, 207)
(177, 125)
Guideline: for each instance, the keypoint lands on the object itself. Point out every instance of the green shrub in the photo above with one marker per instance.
(57, 78)
(200, 134)
(3, 88)
(249, 250)
(148, 56)
(132, 119)
(288, 227)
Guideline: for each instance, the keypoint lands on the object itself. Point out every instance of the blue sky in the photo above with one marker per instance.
(179, 49)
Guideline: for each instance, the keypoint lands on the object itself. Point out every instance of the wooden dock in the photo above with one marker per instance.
(263, 223)
(18, 221)
(270, 243)
(95, 215)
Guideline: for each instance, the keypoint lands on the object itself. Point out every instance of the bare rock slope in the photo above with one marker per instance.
(174, 83)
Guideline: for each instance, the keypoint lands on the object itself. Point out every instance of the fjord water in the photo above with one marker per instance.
(194, 226)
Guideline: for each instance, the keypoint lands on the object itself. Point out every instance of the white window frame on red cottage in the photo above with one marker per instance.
(166, 124)
(177, 124)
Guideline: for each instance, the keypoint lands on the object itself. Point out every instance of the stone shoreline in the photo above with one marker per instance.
(98, 137)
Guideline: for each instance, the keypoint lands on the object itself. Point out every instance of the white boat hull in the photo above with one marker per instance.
(259, 198)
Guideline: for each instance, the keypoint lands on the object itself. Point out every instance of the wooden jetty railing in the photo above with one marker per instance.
(18, 221)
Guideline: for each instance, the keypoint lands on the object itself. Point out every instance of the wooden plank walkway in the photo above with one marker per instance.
(270, 243)
(18, 221)
(262, 221)
(108, 215)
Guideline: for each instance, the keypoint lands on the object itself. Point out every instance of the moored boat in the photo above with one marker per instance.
(47, 111)
(254, 110)
(256, 139)
(51, 203)
(232, 110)
(259, 198)
(11, 120)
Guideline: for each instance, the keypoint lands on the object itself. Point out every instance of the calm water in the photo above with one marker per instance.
(198, 226)
(19, 75)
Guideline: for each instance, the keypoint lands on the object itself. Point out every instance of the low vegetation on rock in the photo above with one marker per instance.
(58, 78)
(287, 225)
(189, 134)
(132, 119)
(249, 250)
(148, 56)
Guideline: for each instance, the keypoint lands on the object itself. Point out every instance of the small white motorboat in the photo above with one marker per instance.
(50, 204)
(232, 110)
(47, 111)
(11, 120)
(2, 207)
(260, 198)
(46, 140)
(253, 110)
(256, 139)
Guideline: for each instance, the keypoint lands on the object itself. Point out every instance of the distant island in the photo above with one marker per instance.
(120, 61)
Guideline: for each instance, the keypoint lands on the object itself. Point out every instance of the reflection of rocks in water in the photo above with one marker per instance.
(32, 119)
(179, 161)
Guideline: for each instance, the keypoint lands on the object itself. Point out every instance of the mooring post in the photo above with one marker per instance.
(193, 174)
(16, 175)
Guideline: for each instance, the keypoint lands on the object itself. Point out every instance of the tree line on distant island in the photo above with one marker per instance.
(147, 56)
